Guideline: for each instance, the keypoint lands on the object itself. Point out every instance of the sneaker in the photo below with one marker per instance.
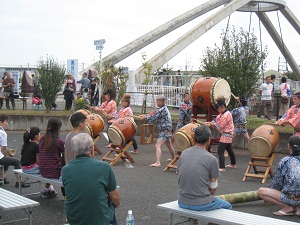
(52, 192)
(45, 192)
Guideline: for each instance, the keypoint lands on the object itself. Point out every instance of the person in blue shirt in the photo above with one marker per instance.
(284, 189)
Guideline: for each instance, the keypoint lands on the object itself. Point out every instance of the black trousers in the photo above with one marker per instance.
(221, 149)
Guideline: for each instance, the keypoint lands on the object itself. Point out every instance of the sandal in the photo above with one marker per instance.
(282, 213)
(222, 170)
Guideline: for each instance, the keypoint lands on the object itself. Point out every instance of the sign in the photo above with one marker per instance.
(72, 67)
(99, 42)
(99, 47)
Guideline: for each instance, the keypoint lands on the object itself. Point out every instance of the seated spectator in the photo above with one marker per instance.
(284, 189)
(37, 102)
(30, 151)
(90, 186)
(51, 150)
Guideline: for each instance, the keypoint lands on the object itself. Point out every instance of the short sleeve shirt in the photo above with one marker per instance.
(3, 140)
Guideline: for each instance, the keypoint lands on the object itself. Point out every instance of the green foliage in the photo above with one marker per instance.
(147, 68)
(50, 79)
(292, 76)
(238, 61)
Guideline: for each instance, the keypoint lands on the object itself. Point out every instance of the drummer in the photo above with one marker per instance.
(224, 124)
(164, 123)
(293, 115)
(125, 112)
(185, 111)
(108, 108)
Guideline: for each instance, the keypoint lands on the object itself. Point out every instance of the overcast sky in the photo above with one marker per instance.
(66, 29)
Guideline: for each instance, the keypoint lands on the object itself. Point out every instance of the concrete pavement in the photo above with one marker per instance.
(143, 187)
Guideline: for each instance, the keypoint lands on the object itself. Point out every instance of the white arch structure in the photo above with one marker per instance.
(260, 7)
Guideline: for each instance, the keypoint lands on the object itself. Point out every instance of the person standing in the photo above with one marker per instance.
(285, 91)
(224, 124)
(5, 160)
(109, 107)
(51, 150)
(69, 95)
(239, 116)
(8, 84)
(90, 186)
(185, 111)
(284, 189)
(163, 118)
(266, 90)
(85, 82)
(202, 182)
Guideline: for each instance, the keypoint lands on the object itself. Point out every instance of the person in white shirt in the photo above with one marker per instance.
(266, 90)
(284, 89)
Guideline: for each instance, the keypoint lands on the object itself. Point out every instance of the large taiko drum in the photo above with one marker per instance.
(122, 130)
(184, 137)
(94, 125)
(205, 91)
(263, 141)
(84, 111)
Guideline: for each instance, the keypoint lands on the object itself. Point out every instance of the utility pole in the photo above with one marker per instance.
(99, 46)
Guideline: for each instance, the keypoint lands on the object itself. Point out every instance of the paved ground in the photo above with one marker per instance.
(143, 187)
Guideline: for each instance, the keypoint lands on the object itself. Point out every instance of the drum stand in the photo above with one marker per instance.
(143, 133)
(120, 152)
(171, 164)
(260, 162)
(95, 147)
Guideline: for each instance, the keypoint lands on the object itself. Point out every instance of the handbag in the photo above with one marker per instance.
(284, 95)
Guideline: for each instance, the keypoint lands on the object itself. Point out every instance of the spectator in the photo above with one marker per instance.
(266, 99)
(37, 102)
(284, 189)
(5, 160)
(68, 95)
(51, 150)
(8, 84)
(179, 79)
(30, 151)
(77, 120)
(198, 175)
(85, 82)
(90, 186)
(163, 118)
(285, 89)
(94, 93)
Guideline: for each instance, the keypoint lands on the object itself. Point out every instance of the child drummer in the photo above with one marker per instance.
(224, 124)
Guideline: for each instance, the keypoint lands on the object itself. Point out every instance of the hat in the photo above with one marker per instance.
(244, 99)
(69, 82)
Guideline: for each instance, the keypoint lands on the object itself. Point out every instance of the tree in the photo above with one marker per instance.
(51, 76)
(239, 61)
(291, 75)
(147, 68)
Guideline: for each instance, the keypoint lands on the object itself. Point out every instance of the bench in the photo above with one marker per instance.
(23, 99)
(220, 216)
(37, 179)
(10, 201)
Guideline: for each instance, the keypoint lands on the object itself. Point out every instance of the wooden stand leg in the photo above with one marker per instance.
(121, 153)
(172, 164)
(260, 162)
(95, 141)
(143, 133)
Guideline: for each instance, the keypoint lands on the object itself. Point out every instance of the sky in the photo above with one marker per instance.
(67, 29)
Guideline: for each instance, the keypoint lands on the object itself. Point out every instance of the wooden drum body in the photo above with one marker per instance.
(94, 125)
(205, 91)
(184, 137)
(122, 131)
(263, 141)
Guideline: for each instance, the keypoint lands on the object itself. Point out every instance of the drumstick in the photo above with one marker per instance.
(274, 124)
(136, 117)
(200, 122)
(232, 94)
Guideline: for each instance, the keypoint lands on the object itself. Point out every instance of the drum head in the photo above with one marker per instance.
(183, 140)
(220, 88)
(115, 135)
(259, 147)
(88, 129)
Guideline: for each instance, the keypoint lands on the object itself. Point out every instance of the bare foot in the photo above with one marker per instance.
(134, 152)
(157, 164)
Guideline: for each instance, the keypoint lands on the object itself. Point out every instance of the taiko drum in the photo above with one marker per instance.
(205, 91)
(263, 141)
(94, 125)
(184, 137)
(122, 130)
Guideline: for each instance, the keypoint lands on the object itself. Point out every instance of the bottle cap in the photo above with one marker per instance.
(129, 211)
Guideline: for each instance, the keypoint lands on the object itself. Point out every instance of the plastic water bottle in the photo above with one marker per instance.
(130, 218)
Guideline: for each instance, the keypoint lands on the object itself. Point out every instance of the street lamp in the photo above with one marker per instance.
(99, 47)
